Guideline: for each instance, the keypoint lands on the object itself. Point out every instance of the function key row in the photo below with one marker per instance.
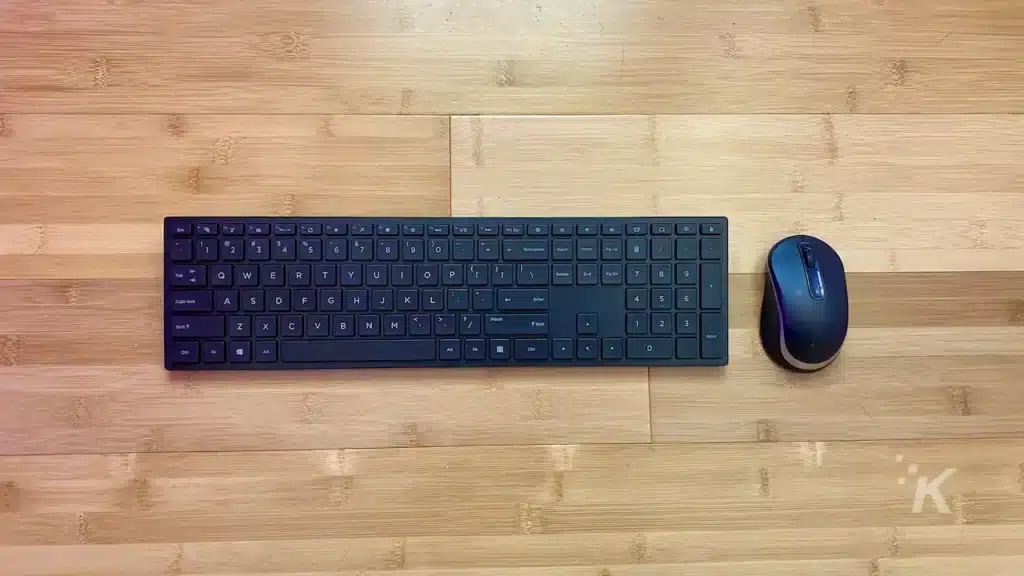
(385, 229)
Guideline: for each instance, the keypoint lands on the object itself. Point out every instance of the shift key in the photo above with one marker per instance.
(515, 324)
(197, 326)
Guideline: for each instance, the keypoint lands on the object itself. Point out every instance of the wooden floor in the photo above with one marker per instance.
(894, 129)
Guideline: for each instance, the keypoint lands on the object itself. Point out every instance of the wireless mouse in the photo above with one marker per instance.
(805, 310)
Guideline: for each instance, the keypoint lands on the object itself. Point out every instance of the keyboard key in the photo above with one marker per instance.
(310, 229)
(214, 352)
(197, 326)
(314, 351)
(515, 324)
(258, 249)
(537, 230)
(181, 250)
(462, 230)
(462, 250)
(532, 274)
(266, 351)
(188, 275)
(562, 249)
(387, 229)
(636, 229)
(181, 229)
(649, 348)
(686, 323)
(711, 285)
(284, 229)
(586, 274)
(636, 274)
(475, 349)
(611, 249)
(513, 249)
(335, 229)
(661, 249)
(586, 249)
(611, 348)
(562, 230)
(412, 230)
(661, 274)
(487, 229)
(343, 325)
(239, 352)
(686, 298)
(661, 323)
(192, 301)
(501, 274)
(712, 336)
(561, 274)
(686, 228)
(450, 350)
(562, 349)
(661, 298)
(710, 228)
(512, 230)
(437, 229)
(636, 323)
(437, 249)
(686, 348)
(207, 229)
(636, 298)
(483, 299)
(586, 229)
(517, 299)
(500, 349)
(362, 230)
(586, 349)
(711, 248)
(611, 229)
(636, 249)
(611, 274)
(531, 349)
(257, 229)
(206, 249)
(469, 325)
(185, 352)
(586, 323)
(239, 327)
(661, 229)
(686, 273)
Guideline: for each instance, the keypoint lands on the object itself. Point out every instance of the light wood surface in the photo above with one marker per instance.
(890, 128)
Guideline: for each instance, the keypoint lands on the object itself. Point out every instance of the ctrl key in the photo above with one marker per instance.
(185, 353)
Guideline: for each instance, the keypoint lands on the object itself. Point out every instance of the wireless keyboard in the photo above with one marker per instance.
(299, 293)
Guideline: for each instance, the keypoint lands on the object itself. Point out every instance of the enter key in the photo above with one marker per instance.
(534, 299)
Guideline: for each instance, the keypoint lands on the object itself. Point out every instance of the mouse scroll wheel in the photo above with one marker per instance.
(808, 254)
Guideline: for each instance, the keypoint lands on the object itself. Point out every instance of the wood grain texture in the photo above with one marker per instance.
(891, 128)
(519, 56)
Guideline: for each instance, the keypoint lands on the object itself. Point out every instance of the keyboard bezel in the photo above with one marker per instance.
(171, 221)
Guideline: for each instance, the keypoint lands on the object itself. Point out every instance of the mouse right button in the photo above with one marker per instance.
(712, 336)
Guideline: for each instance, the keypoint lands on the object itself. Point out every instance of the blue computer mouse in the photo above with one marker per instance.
(805, 310)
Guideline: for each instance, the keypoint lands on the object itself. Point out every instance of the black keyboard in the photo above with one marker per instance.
(298, 293)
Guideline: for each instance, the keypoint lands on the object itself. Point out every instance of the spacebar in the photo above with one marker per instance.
(357, 350)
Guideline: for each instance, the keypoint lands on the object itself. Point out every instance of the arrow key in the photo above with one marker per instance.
(586, 349)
